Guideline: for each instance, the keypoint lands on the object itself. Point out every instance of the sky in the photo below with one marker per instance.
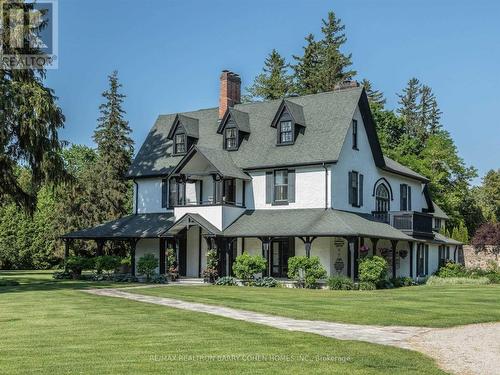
(169, 55)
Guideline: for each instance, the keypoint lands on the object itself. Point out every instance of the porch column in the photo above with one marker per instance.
(67, 244)
(374, 242)
(162, 256)
(100, 246)
(410, 243)
(307, 244)
(133, 244)
(266, 245)
(356, 257)
(394, 243)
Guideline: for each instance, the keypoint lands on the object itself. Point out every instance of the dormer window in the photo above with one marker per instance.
(286, 132)
(289, 123)
(235, 127)
(180, 144)
(231, 139)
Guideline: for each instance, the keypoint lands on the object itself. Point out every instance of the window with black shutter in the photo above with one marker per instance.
(355, 189)
(355, 134)
(164, 193)
(405, 197)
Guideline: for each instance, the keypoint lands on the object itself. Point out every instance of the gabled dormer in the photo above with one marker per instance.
(184, 133)
(289, 121)
(234, 126)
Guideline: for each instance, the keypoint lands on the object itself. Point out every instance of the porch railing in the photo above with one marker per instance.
(418, 223)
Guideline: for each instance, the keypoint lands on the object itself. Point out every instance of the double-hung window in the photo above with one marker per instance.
(281, 186)
(286, 132)
(176, 193)
(355, 189)
(405, 197)
(180, 144)
(231, 139)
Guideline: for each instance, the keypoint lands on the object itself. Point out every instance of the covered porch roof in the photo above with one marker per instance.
(441, 239)
(132, 226)
(202, 161)
(310, 222)
(191, 219)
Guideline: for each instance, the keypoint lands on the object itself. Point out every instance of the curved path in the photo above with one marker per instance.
(470, 349)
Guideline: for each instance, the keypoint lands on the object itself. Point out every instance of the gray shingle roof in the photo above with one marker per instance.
(221, 160)
(197, 218)
(296, 111)
(327, 116)
(132, 226)
(439, 238)
(394, 166)
(310, 222)
(438, 212)
(189, 124)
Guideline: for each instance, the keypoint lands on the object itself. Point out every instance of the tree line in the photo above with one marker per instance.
(93, 191)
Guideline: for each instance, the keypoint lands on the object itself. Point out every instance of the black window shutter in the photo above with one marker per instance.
(164, 192)
(360, 189)
(401, 200)
(409, 198)
(426, 259)
(291, 186)
(351, 197)
(269, 187)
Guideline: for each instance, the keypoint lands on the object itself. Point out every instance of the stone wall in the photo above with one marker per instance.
(474, 259)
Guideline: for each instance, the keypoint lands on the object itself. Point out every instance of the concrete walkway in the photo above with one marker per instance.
(447, 345)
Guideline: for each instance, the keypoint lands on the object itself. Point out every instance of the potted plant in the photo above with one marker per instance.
(173, 270)
(363, 251)
(210, 273)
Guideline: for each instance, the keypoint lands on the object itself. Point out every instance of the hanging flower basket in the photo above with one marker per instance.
(403, 253)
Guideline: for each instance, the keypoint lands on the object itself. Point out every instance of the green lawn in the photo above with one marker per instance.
(440, 306)
(52, 327)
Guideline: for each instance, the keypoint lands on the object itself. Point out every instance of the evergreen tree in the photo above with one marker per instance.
(30, 119)
(434, 118)
(114, 149)
(306, 69)
(334, 67)
(425, 107)
(274, 82)
(375, 97)
(409, 106)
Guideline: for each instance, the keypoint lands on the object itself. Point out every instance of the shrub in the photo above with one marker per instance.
(147, 265)
(107, 263)
(159, 279)
(384, 284)
(246, 266)
(366, 285)
(61, 275)
(340, 283)
(305, 270)
(494, 277)
(266, 282)
(436, 280)
(227, 281)
(451, 269)
(401, 281)
(373, 269)
(77, 264)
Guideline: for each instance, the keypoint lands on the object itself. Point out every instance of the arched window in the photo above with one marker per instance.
(382, 199)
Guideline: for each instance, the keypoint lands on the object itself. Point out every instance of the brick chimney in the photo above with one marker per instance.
(230, 91)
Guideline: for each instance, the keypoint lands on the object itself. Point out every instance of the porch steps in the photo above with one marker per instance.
(189, 281)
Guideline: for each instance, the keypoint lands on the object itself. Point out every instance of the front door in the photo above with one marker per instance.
(281, 250)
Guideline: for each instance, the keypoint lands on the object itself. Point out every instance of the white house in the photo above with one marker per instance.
(298, 176)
